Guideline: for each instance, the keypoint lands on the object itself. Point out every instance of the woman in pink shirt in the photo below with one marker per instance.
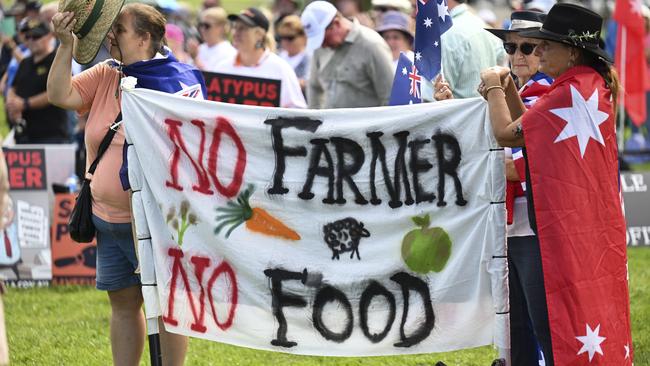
(136, 40)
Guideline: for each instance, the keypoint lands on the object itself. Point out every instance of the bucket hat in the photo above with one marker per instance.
(94, 19)
(395, 20)
(523, 20)
(572, 25)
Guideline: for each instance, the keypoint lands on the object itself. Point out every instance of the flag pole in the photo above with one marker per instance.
(621, 101)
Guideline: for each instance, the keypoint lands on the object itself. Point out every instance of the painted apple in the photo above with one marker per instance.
(426, 249)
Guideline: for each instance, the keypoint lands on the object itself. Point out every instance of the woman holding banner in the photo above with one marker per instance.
(255, 57)
(135, 35)
(528, 314)
(572, 187)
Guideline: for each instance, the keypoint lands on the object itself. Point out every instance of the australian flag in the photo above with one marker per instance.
(432, 20)
(406, 84)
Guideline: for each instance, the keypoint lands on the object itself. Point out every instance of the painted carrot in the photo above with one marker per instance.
(257, 219)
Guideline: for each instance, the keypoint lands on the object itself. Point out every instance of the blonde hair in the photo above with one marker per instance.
(216, 14)
(292, 24)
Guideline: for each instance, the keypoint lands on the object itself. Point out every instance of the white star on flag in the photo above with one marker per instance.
(627, 351)
(442, 10)
(435, 44)
(418, 56)
(404, 71)
(583, 120)
(637, 6)
(428, 22)
(591, 342)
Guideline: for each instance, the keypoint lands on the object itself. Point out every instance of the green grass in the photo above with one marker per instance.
(69, 326)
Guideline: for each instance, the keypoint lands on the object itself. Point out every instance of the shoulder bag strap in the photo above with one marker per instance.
(106, 142)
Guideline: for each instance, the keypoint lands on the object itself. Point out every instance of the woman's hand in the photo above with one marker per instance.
(491, 77)
(63, 25)
(441, 89)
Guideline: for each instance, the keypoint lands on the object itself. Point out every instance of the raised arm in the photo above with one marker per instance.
(505, 106)
(59, 82)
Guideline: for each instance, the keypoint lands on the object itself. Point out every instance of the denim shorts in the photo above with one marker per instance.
(116, 259)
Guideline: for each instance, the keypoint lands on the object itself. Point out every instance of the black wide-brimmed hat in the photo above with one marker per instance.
(523, 20)
(573, 25)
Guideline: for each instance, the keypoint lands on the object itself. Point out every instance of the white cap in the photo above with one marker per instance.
(315, 18)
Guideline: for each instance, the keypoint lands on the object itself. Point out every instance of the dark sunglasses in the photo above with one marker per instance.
(289, 38)
(525, 48)
(205, 25)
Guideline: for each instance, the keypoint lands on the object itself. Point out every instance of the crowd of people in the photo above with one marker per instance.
(327, 55)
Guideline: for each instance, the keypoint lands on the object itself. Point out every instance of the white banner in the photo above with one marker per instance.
(349, 232)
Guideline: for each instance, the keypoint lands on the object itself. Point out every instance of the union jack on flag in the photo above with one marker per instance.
(416, 79)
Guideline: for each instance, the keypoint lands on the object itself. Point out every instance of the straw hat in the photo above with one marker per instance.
(94, 19)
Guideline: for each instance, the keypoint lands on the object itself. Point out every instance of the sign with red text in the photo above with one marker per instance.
(374, 231)
(238, 89)
(26, 169)
(72, 262)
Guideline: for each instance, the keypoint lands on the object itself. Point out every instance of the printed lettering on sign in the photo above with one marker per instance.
(26, 168)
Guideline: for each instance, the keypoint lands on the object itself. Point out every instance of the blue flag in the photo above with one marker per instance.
(406, 84)
(432, 20)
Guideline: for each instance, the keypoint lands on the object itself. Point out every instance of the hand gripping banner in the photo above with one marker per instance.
(370, 231)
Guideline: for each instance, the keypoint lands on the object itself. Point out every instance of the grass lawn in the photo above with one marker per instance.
(69, 326)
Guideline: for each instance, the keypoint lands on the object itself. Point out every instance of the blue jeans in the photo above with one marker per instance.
(116, 258)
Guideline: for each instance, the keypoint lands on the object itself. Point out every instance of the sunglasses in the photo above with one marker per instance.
(205, 25)
(32, 37)
(525, 48)
(289, 38)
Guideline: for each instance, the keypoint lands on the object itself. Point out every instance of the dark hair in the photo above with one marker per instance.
(607, 72)
(146, 19)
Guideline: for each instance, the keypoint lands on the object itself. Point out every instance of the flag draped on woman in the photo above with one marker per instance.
(573, 163)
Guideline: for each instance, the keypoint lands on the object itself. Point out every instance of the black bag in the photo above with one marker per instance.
(80, 226)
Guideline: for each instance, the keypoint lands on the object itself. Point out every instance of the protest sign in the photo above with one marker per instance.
(370, 231)
(636, 196)
(72, 262)
(26, 169)
(238, 89)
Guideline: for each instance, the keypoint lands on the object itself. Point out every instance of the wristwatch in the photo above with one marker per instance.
(26, 105)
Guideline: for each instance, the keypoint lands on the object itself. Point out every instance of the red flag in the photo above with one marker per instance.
(572, 157)
(630, 57)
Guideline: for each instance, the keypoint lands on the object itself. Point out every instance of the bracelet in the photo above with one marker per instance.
(494, 87)
(26, 103)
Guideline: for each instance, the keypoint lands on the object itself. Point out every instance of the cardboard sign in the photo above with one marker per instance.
(323, 232)
(26, 168)
(636, 194)
(247, 90)
(72, 263)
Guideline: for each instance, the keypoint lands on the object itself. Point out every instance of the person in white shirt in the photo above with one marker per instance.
(255, 58)
(215, 48)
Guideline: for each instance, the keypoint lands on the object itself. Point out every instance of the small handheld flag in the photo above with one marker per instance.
(432, 20)
(406, 84)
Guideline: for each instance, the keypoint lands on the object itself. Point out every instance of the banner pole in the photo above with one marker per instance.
(621, 105)
(155, 354)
